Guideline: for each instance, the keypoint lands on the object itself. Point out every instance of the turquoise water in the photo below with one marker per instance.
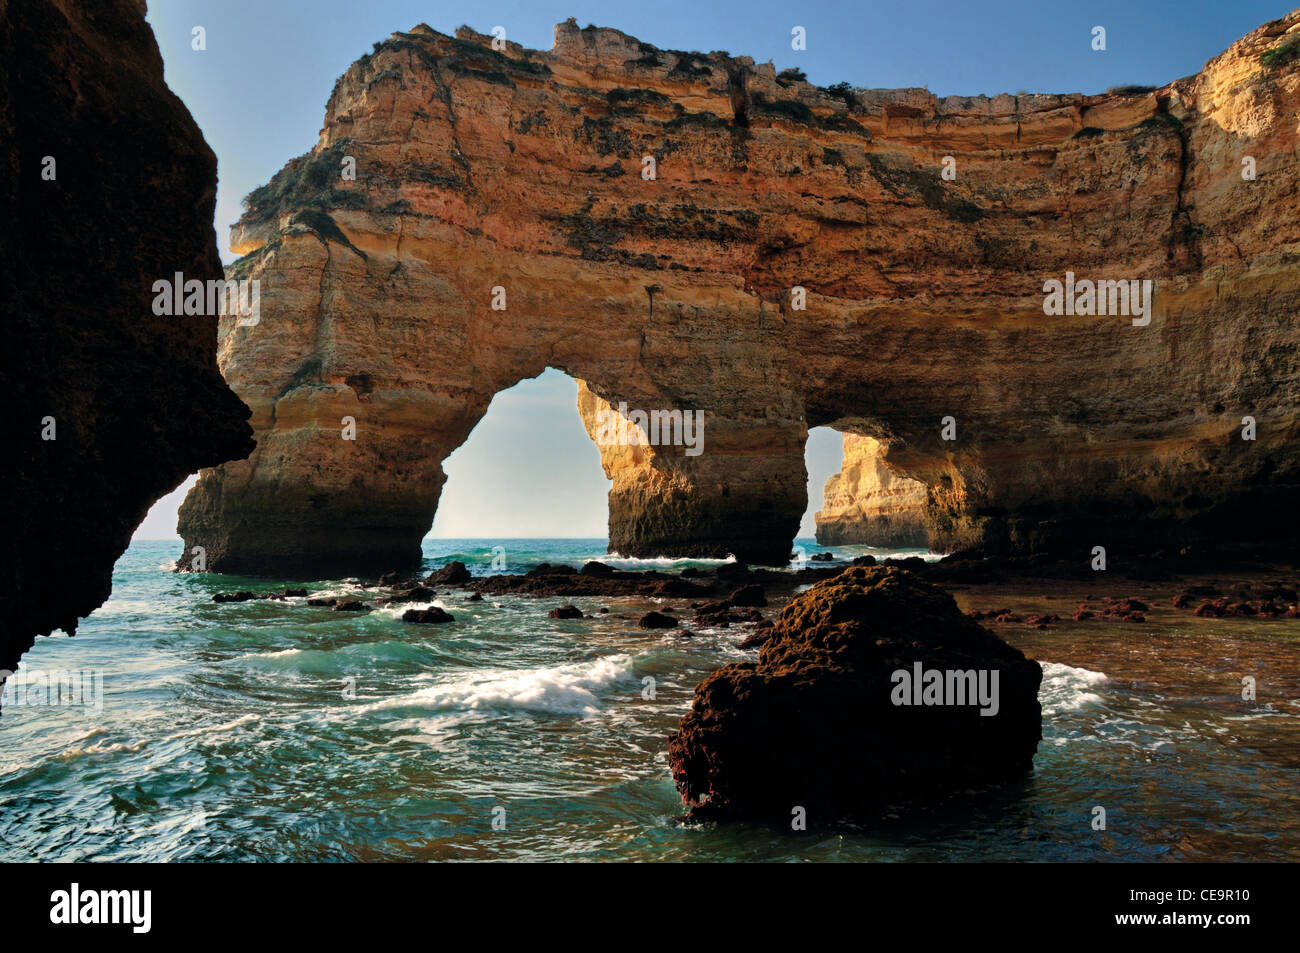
(273, 731)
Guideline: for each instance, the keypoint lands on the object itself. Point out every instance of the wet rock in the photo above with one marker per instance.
(1042, 620)
(416, 594)
(762, 632)
(1125, 606)
(595, 568)
(565, 612)
(352, 605)
(546, 569)
(431, 616)
(817, 721)
(747, 596)
(864, 560)
(474, 597)
(243, 595)
(321, 602)
(657, 620)
(297, 593)
(822, 558)
(725, 617)
(452, 574)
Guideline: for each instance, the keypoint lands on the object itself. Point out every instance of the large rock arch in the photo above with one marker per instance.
(480, 169)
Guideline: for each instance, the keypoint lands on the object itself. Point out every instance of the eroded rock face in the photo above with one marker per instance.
(868, 503)
(815, 723)
(522, 171)
(136, 401)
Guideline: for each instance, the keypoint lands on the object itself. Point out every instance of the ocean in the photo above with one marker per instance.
(274, 731)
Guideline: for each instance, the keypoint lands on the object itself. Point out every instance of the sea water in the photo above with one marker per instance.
(269, 730)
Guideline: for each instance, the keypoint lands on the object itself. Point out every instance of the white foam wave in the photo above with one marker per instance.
(562, 689)
(619, 561)
(213, 729)
(1066, 688)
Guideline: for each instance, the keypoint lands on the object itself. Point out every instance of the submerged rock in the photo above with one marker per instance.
(243, 595)
(828, 719)
(431, 616)
(657, 620)
(452, 574)
(565, 612)
(352, 605)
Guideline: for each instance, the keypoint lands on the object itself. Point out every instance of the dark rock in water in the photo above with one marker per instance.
(595, 568)
(676, 589)
(474, 597)
(604, 610)
(352, 605)
(1125, 606)
(565, 612)
(430, 616)
(452, 574)
(243, 595)
(657, 620)
(865, 560)
(294, 592)
(321, 602)
(822, 558)
(1043, 620)
(546, 569)
(730, 570)
(747, 596)
(829, 719)
(763, 632)
(725, 617)
(391, 578)
(417, 594)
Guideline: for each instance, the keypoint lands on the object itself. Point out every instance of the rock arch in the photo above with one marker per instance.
(521, 170)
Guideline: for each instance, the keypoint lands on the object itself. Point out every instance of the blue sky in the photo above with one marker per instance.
(258, 92)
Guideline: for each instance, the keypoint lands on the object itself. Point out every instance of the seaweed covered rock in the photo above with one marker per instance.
(872, 690)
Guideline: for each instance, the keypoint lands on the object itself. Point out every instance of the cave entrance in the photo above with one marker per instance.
(528, 470)
(823, 457)
(857, 500)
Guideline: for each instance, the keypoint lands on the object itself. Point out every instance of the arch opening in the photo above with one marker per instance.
(862, 500)
(528, 469)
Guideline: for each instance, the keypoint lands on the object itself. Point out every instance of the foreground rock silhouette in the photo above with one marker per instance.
(106, 186)
(813, 723)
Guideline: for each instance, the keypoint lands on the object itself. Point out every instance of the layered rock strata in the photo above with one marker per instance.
(868, 503)
(107, 186)
(688, 232)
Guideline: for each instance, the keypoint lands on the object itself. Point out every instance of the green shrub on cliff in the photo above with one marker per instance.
(1281, 55)
(309, 181)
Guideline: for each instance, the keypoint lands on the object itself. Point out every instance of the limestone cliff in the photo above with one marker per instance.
(106, 186)
(866, 502)
(503, 218)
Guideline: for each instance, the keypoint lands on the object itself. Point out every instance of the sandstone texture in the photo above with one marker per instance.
(813, 723)
(136, 400)
(868, 503)
(518, 178)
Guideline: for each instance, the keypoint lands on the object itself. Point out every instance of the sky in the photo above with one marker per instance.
(258, 92)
